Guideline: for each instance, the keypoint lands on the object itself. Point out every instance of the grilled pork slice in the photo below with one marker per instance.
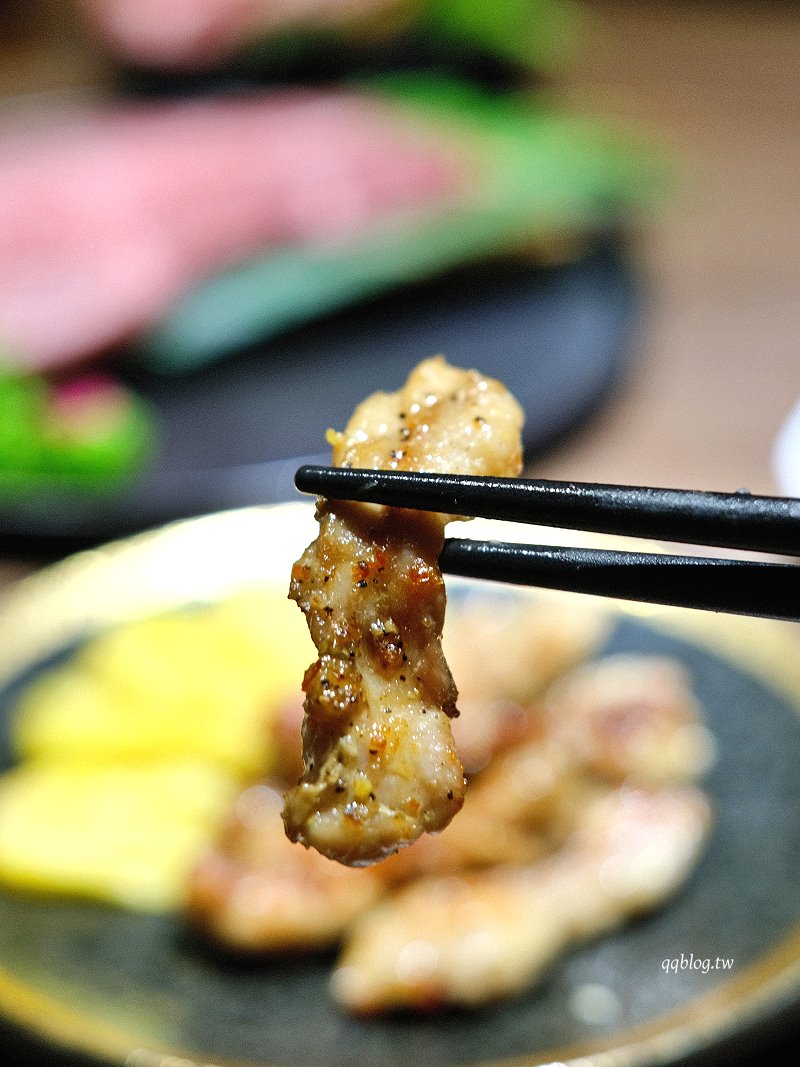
(483, 935)
(380, 764)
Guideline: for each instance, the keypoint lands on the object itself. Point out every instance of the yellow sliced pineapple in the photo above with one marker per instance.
(133, 751)
(127, 835)
(204, 684)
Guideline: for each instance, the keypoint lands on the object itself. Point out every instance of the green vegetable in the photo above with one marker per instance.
(527, 35)
(532, 33)
(88, 433)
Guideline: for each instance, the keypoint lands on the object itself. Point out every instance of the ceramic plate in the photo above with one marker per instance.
(81, 981)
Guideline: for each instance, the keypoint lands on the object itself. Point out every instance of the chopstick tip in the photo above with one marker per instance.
(303, 477)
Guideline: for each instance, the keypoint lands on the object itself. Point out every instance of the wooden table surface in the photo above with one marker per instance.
(718, 345)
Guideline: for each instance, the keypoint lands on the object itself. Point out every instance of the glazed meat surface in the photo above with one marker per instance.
(480, 935)
(570, 826)
(380, 764)
(255, 892)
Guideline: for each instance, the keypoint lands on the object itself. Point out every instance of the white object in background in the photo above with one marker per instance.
(786, 454)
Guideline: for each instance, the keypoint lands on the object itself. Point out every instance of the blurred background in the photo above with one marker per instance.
(719, 339)
(692, 369)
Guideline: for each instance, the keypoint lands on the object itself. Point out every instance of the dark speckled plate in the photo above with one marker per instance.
(80, 981)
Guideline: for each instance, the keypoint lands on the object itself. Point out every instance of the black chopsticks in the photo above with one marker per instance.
(728, 520)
